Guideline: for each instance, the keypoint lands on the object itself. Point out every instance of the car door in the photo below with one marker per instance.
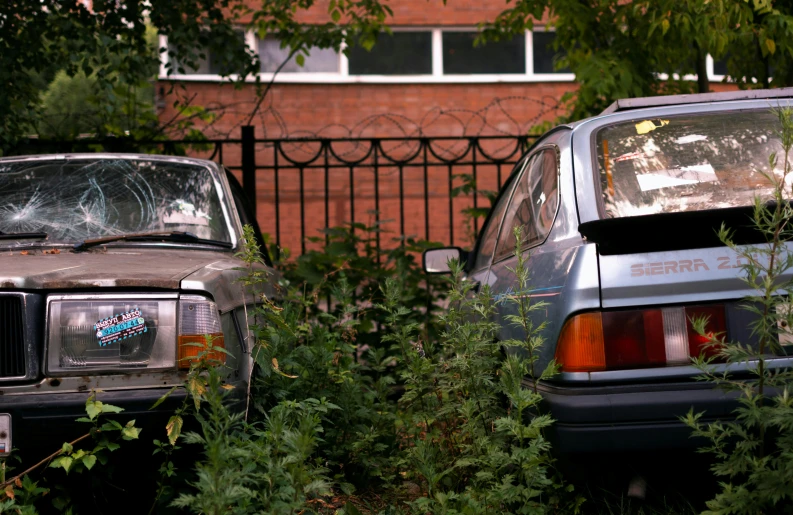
(542, 205)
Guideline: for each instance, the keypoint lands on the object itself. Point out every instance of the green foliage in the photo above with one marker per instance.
(351, 263)
(109, 45)
(474, 430)
(447, 424)
(619, 49)
(20, 494)
(753, 453)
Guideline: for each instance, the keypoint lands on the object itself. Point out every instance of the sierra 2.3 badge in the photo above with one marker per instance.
(120, 327)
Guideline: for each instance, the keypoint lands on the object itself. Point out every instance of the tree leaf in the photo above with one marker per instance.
(130, 433)
(93, 409)
(64, 462)
(196, 387)
(770, 45)
(174, 428)
(300, 59)
(162, 399)
(275, 367)
(109, 408)
(89, 461)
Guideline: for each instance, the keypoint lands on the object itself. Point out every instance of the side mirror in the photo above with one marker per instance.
(436, 261)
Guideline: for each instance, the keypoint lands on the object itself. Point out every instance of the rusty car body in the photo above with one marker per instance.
(109, 265)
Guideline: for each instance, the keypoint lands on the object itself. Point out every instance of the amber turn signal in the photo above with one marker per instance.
(190, 346)
(580, 347)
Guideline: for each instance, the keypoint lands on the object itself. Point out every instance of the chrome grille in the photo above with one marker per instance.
(12, 338)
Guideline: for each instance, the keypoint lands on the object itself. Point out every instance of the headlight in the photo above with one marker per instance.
(124, 332)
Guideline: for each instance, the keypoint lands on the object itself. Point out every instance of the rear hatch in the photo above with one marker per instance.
(666, 186)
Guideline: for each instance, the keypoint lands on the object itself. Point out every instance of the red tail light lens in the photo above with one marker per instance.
(697, 344)
(636, 339)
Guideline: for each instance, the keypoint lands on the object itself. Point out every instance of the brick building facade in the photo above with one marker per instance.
(427, 79)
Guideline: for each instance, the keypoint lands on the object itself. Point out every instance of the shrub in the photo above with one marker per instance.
(753, 453)
(473, 432)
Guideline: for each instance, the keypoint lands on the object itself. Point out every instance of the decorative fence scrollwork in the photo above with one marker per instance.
(409, 186)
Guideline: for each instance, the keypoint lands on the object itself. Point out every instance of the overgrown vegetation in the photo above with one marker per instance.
(753, 454)
(442, 425)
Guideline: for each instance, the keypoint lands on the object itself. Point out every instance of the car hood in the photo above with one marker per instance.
(115, 267)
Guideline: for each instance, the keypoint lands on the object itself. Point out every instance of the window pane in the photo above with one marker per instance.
(214, 62)
(460, 55)
(720, 67)
(534, 203)
(490, 231)
(544, 53)
(272, 55)
(400, 53)
(202, 64)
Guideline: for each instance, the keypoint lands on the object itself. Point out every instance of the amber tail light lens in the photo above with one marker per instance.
(616, 340)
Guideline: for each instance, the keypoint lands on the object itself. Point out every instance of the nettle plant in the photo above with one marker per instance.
(754, 453)
(473, 429)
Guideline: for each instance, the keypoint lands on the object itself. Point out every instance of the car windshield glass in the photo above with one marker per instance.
(78, 199)
(686, 163)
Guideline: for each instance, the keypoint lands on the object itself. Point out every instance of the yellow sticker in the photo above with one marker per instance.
(648, 126)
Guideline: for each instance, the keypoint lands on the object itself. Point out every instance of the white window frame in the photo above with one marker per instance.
(343, 76)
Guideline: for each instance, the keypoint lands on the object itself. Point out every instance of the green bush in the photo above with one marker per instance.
(356, 398)
(754, 453)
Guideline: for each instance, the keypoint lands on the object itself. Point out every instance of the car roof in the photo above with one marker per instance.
(108, 155)
(626, 104)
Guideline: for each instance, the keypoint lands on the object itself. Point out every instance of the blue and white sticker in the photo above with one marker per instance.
(120, 327)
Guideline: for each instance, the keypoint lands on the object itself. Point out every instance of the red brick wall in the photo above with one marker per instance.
(373, 111)
(420, 12)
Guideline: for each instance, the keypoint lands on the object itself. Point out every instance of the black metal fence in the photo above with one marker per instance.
(423, 187)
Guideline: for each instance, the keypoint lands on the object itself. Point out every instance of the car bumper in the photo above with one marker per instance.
(40, 423)
(631, 417)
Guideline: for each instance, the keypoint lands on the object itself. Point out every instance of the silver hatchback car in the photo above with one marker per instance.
(619, 215)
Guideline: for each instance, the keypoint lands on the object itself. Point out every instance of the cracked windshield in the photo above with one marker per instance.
(72, 200)
(690, 163)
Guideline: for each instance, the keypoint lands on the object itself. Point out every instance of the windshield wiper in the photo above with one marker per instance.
(175, 236)
(23, 235)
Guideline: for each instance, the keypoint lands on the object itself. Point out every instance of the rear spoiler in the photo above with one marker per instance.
(671, 231)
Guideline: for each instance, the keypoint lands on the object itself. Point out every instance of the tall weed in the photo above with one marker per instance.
(754, 453)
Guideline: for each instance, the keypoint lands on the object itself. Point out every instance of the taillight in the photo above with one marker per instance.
(614, 340)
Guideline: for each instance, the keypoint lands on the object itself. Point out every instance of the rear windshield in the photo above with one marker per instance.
(687, 163)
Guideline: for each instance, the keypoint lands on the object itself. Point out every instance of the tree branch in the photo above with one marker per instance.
(42, 462)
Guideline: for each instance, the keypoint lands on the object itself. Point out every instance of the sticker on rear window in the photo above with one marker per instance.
(120, 327)
(682, 176)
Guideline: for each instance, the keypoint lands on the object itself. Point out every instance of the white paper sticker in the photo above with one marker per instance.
(679, 177)
(691, 138)
(184, 219)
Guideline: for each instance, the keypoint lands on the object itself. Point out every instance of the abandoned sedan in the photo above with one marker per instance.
(110, 267)
(619, 215)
